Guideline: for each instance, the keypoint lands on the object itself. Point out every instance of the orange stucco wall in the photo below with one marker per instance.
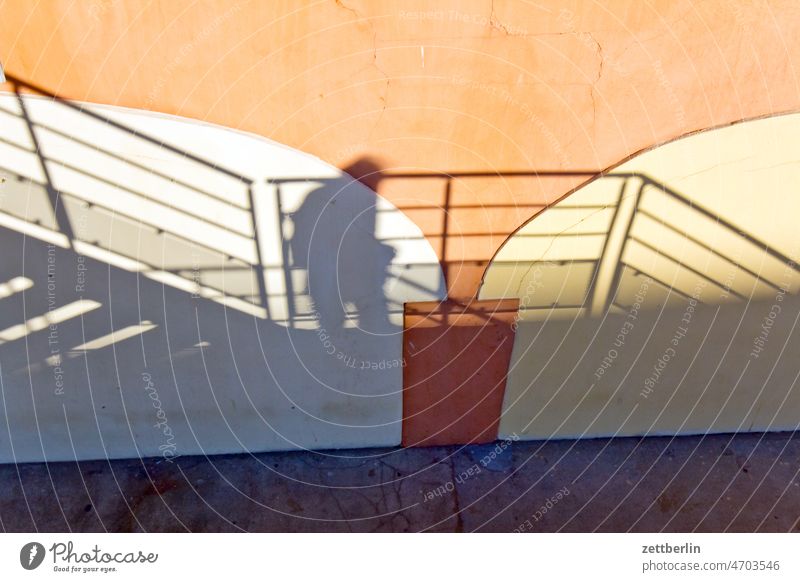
(451, 86)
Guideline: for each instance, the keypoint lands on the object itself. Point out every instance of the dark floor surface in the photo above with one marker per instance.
(745, 482)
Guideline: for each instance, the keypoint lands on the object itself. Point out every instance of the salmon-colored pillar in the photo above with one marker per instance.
(457, 358)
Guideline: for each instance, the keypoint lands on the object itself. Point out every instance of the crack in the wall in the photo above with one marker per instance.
(495, 23)
(456, 500)
(341, 4)
(601, 64)
(385, 97)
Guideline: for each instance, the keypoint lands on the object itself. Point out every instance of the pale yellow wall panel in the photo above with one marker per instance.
(696, 330)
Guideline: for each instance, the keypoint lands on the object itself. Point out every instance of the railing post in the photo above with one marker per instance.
(610, 265)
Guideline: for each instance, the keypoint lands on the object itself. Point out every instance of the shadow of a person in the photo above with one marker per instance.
(334, 241)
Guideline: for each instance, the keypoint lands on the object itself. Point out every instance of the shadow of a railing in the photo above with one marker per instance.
(194, 213)
(222, 226)
(651, 230)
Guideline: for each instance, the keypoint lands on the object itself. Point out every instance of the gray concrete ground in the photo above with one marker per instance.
(745, 482)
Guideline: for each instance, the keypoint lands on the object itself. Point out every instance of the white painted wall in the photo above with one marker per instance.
(169, 345)
(662, 298)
